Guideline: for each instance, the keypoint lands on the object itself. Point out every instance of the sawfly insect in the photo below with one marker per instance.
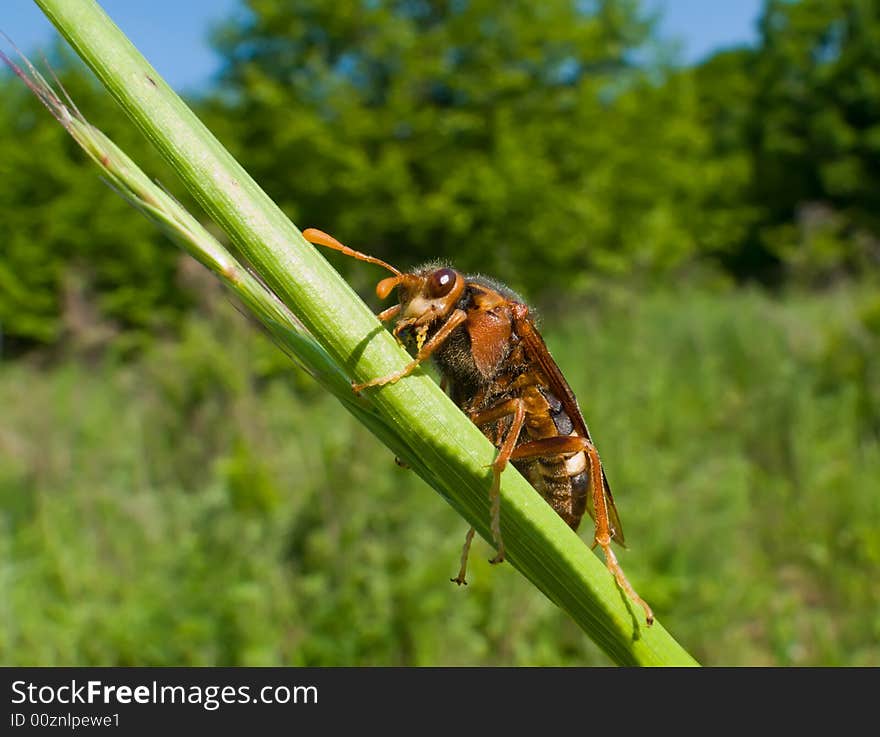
(497, 369)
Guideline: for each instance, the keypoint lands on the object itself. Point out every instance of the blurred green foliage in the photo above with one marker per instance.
(173, 492)
(545, 143)
(78, 265)
(191, 508)
(817, 137)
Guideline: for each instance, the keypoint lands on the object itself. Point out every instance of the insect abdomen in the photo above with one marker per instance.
(562, 486)
(562, 479)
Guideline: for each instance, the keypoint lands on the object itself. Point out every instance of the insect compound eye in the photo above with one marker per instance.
(440, 283)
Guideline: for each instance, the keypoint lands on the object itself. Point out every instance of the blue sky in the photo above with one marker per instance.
(173, 34)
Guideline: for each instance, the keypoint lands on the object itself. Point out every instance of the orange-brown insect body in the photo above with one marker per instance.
(485, 363)
(497, 369)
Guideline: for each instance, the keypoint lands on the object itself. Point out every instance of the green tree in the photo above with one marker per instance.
(730, 214)
(815, 133)
(518, 138)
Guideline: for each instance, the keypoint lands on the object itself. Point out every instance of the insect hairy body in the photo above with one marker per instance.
(496, 367)
(505, 373)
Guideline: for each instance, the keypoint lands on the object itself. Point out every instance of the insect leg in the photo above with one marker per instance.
(603, 531)
(516, 408)
(459, 579)
(455, 319)
(603, 534)
(386, 315)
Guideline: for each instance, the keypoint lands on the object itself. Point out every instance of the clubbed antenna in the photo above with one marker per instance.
(320, 238)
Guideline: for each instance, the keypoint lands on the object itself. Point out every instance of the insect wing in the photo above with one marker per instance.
(556, 383)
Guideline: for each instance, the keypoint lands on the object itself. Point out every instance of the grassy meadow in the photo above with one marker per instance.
(206, 504)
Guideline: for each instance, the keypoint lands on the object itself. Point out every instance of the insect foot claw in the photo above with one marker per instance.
(497, 559)
(459, 581)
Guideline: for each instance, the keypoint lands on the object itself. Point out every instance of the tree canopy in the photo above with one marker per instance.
(547, 144)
